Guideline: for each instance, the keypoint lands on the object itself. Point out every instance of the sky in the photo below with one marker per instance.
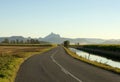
(69, 18)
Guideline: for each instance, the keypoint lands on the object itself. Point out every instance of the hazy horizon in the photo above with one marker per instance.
(69, 18)
(58, 34)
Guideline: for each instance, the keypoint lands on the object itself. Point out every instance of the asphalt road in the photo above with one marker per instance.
(57, 66)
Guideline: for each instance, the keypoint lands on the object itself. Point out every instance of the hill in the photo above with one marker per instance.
(56, 38)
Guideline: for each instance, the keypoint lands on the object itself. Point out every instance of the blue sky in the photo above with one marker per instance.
(69, 18)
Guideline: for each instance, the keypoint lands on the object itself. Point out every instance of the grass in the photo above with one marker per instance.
(108, 47)
(11, 57)
(103, 66)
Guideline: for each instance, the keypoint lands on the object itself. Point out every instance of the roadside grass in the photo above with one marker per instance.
(11, 57)
(97, 64)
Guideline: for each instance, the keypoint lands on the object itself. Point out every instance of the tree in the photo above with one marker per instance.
(37, 41)
(21, 42)
(28, 41)
(12, 41)
(32, 41)
(6, 40)
(17, 41)
(66, 43)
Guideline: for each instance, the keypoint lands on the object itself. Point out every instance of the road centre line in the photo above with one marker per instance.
(63, 69)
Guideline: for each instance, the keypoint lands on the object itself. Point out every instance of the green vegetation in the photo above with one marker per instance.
(11, 58)
(17, 41)
(66, 44)
(104, 66)
(114, 48)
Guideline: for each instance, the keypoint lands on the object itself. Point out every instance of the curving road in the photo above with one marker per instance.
(57, 66)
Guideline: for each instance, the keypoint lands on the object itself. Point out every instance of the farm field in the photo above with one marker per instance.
(11, 58)
(114, 48)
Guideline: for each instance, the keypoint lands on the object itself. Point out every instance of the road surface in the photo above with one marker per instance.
(57, 66)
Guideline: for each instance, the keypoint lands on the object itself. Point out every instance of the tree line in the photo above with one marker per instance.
(17, 41)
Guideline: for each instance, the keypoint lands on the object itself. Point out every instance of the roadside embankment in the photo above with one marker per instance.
(103, 66)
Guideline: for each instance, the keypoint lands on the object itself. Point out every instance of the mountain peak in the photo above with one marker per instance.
(52, 35)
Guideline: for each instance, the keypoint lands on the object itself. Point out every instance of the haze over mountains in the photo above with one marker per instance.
(56, 38)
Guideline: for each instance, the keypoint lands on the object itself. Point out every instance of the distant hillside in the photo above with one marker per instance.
(56, 38)
(112, 41)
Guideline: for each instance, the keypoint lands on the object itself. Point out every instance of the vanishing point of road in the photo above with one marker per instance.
(57, 66)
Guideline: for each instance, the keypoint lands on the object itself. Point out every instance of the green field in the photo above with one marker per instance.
(114, 48)
(11, 57)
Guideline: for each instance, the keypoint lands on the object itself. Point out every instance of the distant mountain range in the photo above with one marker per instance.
(56, 38)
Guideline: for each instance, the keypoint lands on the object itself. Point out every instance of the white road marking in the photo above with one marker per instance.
(63, 69)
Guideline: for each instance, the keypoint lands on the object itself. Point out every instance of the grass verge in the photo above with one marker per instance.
(11, 60)
(103, 66)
